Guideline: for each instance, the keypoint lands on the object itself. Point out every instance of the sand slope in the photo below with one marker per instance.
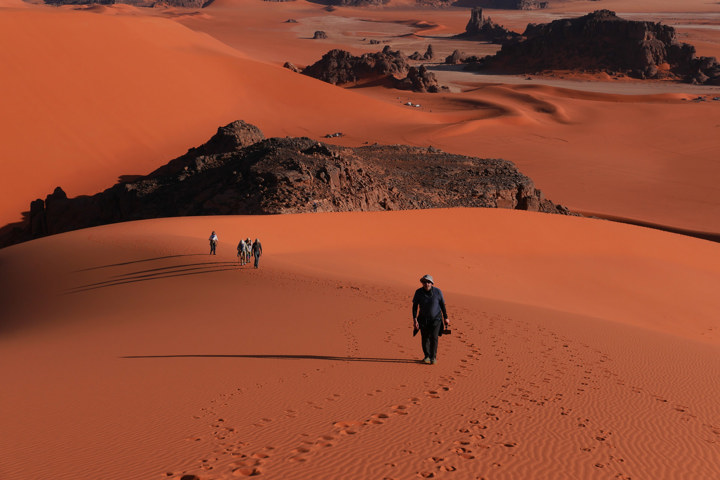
(96, 97)
(581, 349)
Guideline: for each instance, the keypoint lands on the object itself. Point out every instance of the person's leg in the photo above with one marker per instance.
(424, 339)
(433, 333)
(257, 260)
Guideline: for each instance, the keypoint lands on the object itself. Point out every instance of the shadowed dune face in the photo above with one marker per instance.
(575, 344)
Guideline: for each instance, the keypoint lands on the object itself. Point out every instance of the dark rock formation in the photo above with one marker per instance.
(339, 67)
(320, 35)
(137, 3)
(601, 41)
(352, 3)
(238, 172)
(290, 20)
(483, 29)
(419, 80)
(292, 67)
(456, 57)
(428, 55)
(504, 4)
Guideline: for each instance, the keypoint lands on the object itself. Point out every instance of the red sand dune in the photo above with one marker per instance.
(580, 349)
(96, 97)
(80, 117)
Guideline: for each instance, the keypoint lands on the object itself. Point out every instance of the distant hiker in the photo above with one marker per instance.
(213, 242)
(257, 251)
(241, 252)
(431, 318)
(248, 250)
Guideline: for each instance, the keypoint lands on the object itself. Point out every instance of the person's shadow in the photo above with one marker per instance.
(157, 273)
(286, 357)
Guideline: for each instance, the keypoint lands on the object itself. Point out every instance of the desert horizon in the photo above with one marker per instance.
(583, 343)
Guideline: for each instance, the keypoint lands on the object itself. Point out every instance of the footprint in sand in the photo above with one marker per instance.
(399, 409)
(378, 418)
(246, 472)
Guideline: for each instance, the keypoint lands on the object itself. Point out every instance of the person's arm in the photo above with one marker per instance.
(416, 325)
(444, 311)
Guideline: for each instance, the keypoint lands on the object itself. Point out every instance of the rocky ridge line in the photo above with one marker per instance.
(239, 172)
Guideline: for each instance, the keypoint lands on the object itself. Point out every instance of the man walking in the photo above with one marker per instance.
(213, 242)
(429, 316)
(257, 251)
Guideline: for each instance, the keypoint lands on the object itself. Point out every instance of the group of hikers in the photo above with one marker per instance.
(245, 249)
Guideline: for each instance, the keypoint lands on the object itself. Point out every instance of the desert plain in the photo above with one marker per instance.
(581, 347)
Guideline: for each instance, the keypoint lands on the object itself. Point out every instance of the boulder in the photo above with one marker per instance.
(456, 57)
(420, 80)
(290, 66)
(428, 55)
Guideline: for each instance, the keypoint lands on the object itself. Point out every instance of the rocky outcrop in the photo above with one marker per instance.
(239, 173)
(428, 55)
(137, 3)
(292, 67)
(339, 67)
(320, 35)
(504, 4)
(353, 3)
(457, 57)
(419, 80)
(483, 29)
(601, 41)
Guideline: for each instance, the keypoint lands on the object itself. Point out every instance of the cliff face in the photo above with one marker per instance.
(601, 41)
(239, 173)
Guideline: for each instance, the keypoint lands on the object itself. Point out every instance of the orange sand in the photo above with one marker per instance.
(580, 349)
(80, 118)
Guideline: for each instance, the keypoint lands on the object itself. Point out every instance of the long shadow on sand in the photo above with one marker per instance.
(157, 274)
(140, 261)
(289, 357)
